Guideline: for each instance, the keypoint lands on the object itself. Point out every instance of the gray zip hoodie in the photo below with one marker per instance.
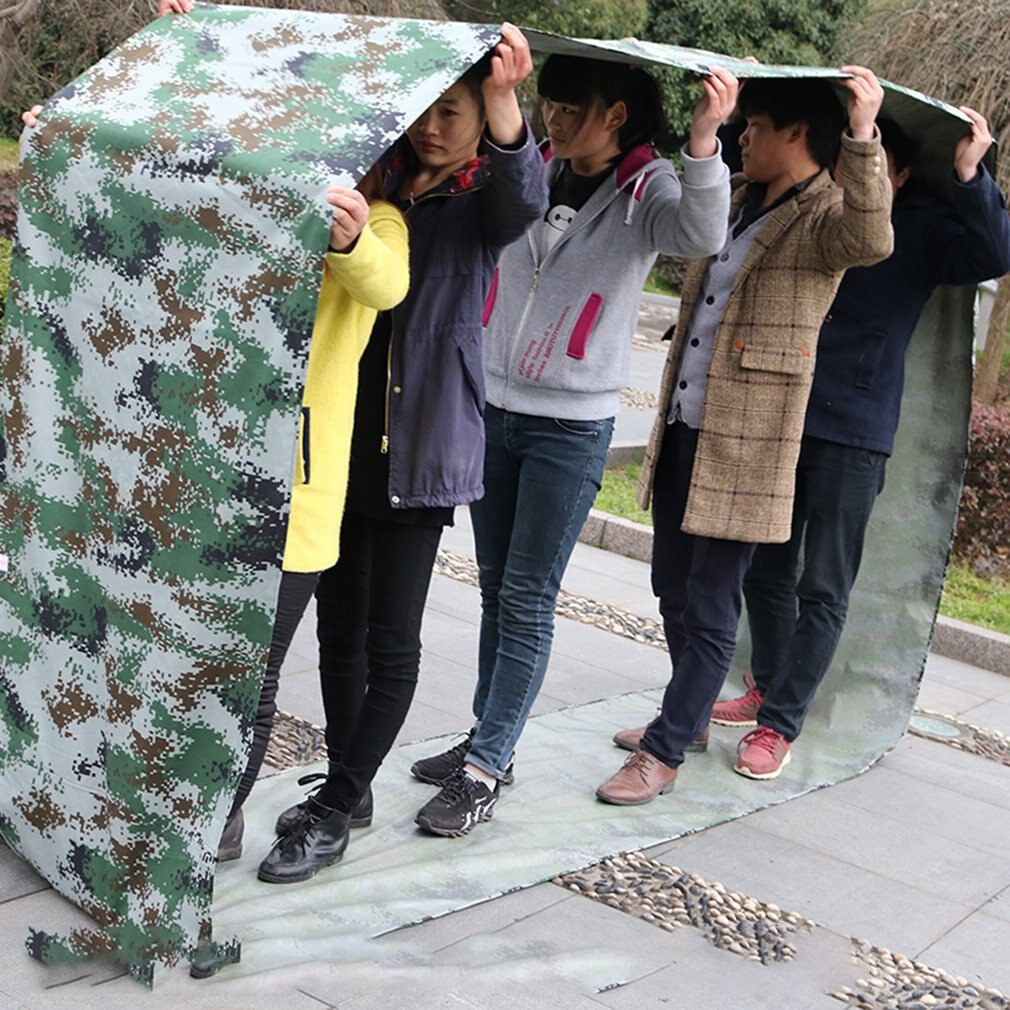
(558, 326)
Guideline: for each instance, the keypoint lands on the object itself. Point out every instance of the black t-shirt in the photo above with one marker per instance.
(567, 197)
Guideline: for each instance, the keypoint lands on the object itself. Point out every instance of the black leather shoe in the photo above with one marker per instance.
(317, 840)
(230, 846)
(361, 815)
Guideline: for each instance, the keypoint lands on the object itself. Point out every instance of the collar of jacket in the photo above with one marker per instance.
(400, 159)
(630, 168)
(740, 182)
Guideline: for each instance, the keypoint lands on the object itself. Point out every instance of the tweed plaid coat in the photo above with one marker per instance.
(762, 365)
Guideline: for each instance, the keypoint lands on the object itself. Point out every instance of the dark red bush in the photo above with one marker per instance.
(983, 524)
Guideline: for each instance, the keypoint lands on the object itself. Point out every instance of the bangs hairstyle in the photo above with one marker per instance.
(598, 84)
(788, 102)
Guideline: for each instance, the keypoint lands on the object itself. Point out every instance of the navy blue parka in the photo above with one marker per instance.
(860, 373)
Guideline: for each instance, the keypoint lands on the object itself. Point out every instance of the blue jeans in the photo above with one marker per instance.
(698, 582)
(541, 476)
(796, 622)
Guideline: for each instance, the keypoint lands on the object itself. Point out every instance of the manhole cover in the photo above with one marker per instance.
(938, 727)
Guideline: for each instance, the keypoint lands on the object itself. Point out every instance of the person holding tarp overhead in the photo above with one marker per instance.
(721, 462)
(557, 348)
(797, 603)
(469, 179)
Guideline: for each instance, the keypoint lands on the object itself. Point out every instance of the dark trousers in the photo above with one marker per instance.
(295, 593)
(797, 611)
(369, 608)
(698, 582)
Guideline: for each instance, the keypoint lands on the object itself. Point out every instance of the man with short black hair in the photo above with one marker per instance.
(797, 612)
(721, 461)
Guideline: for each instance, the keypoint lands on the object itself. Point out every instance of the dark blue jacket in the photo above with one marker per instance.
(860, 372)
(436, 384)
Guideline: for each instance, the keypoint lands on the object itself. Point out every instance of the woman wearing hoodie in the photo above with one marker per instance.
(557, 346)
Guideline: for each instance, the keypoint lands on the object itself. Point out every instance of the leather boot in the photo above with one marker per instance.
(361, 815)
(317, 840)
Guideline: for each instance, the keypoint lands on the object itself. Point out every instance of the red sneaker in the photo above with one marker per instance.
(762, 754)
(740, 711)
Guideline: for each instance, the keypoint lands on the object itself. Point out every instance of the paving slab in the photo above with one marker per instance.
(836, 893)
(978, 946)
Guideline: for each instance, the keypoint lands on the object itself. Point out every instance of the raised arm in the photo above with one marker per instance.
(510, 66)
(859, 232)
(972, 242)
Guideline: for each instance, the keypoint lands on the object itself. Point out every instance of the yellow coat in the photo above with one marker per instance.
(373, 276)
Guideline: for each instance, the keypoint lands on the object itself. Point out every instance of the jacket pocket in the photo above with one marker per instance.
(785, 360)
(490, 300)
(304, 461)
(584, 326)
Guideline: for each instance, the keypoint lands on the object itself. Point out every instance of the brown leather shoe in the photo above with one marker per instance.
(641, 778)
(631, 739)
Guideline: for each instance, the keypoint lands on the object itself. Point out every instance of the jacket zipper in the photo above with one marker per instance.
(384, 442)
(537, 270)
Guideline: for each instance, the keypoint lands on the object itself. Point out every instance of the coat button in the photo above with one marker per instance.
(710, 300)
(724, 257)
(683, 384)
(397, 389)
(695, 341)
(395, 499)
(739, 345)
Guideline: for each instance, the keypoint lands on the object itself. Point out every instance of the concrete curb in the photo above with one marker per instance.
(988, 650)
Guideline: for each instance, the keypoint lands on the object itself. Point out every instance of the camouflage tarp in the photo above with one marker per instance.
(171, 228)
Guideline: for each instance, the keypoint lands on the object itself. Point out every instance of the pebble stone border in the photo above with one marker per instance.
(895, 981)
(294, 742)
(639, 399)
(578, 608)
(670, 899)
(987, 743)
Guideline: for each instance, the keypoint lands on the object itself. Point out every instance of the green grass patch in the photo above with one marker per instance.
(656, 285)
(617, 496)
(978, 599)
(967, 596)
(8, 154)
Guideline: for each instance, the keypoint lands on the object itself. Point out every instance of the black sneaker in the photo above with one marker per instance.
(463, 802)
(439, 768)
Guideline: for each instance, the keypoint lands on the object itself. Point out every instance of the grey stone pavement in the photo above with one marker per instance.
(911, 856)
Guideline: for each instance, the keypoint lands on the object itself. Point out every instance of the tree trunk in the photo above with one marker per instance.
(13, 18)
(987, 373)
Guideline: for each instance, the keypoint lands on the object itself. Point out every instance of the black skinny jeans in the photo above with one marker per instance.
(368, 610)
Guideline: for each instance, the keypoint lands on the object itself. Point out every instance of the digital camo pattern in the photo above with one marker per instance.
(171, 229)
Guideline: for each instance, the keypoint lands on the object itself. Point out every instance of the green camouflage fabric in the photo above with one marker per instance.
(171, 232)
(170, 240)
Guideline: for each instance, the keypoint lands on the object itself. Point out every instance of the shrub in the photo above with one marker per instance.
(983, 525)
